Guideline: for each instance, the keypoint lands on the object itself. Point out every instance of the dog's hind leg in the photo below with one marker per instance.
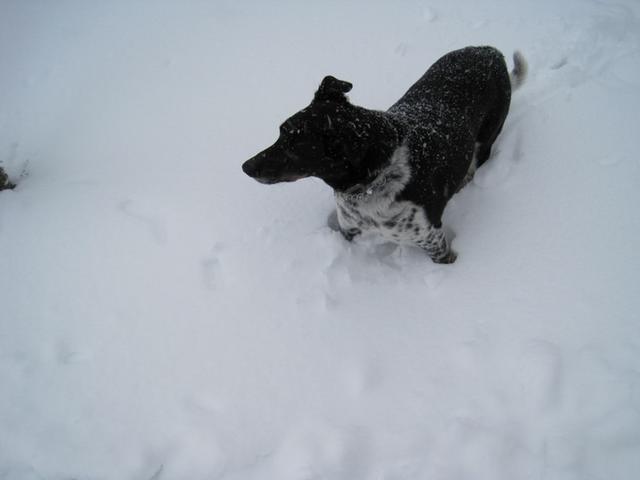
(494, 119)
(470, 172)
(488, 133)
(436, 245)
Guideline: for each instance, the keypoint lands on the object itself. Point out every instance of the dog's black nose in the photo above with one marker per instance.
(250, 167)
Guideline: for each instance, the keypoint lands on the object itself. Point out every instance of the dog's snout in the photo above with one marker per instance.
(251, 167)
(263, 165)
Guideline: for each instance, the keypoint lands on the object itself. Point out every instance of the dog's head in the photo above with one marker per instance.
(328, 139)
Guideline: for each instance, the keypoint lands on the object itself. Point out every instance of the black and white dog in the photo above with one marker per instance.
(394, 171)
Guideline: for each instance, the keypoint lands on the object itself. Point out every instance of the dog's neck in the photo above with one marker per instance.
(388, 181)
(387, 133)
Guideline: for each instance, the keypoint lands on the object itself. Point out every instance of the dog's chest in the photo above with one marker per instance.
(375, 207)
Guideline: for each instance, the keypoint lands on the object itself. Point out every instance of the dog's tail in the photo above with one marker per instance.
(519, 72)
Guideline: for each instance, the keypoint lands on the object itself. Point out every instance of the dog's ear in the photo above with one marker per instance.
(332, 89)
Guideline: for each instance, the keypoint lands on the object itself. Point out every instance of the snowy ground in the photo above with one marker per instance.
(163, 317)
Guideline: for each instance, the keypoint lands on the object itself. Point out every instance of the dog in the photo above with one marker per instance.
(393, 172)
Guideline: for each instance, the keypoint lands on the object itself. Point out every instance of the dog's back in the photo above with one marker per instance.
(456, 108)
(463, 83)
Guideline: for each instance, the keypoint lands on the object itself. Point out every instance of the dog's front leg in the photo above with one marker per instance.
(350, 234)
(347, 230)
(435, 243)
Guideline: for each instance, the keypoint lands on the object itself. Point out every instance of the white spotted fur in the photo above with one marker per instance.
(373, 207)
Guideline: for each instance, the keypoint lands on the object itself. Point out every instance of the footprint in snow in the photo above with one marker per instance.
(402, 49)
(153, 225)
(561, 62)
(65, 354)
(210, 266)
(429, 14)
(609, 161)
(434, 278)
(604, 51)
(478, 24)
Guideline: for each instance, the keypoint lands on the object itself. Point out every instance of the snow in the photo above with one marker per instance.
(163, 316)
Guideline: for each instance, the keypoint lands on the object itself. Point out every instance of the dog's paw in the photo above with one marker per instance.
(450, 257)
(333, 224)
(350, 234)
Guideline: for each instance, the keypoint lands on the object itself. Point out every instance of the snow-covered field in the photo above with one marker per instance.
(164, 317)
